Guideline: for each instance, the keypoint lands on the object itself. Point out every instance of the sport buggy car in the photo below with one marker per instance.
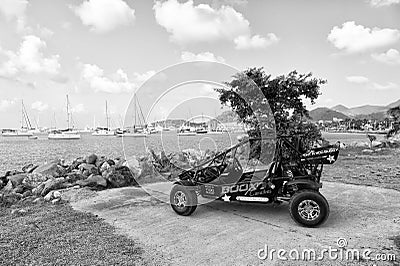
(228, 177)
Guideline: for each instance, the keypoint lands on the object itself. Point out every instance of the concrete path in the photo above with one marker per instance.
(220, 233)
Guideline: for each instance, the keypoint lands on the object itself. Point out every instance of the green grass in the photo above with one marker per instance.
(47, 234)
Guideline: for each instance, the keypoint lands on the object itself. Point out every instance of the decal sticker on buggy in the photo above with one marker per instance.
(209, 189)
(326, 155)
(226, 197)
(255, 199)
(248, 188)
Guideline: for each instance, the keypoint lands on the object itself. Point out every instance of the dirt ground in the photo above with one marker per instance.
(220, 233)
(380, 168)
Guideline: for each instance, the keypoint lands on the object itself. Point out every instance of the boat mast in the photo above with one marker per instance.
(25, 117)
(107, 118)
(22, 114)
(67, 112)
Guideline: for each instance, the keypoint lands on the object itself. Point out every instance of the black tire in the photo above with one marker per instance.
(309, 208)
(183, 201)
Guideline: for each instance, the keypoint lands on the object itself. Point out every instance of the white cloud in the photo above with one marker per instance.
(117, 82)
(357, 79)
(380, 3)
(29, 59)
(5, 104)
(239, 3)
(140, 78)
(244, 42)
(45, 32)
(189, 23)
(104, 15)
(391, 57)
(39, 106)
(14, 9)
(205, 56)
(388, 86)
(354, 38)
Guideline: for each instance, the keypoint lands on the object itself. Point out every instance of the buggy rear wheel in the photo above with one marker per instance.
(309, 208)
(183, 201)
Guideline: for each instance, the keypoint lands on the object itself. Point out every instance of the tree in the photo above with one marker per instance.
(394, 113)
(285, 95)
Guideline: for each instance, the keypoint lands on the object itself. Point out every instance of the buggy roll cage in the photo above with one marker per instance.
(280, 141)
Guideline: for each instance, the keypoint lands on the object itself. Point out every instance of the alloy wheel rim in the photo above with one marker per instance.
(180, 199)
(309, 210)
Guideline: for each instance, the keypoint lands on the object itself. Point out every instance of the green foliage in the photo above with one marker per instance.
(285, 94)
(394, 113)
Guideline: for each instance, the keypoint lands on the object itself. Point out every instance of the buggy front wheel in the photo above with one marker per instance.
(309, 208)
(183, 200)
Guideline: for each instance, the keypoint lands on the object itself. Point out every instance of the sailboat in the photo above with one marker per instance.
(104, 131)
(186, 130)
(202, 129)
(26, 126)
(65, 134)
(139, 129)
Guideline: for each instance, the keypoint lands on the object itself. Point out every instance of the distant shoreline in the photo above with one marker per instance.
(354, 132)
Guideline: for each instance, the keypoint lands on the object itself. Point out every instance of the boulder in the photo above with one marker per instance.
(29, 168)
(121, 162)
(54, 201)
(49, 196)
(104, 167)
(74, 176)
(93, 181)
(27, 193)
(134, 166)
(75, 164)
(376, 143)
(17, 179)
(100, 161)
(110, 162)
(359, 144)
(51, 169)
(38, 190)
(52, 184)
(88, 169)
(91, 159)
(8, 188)
(34, 179)
(19, 189)
(56, 194)
(36, 200)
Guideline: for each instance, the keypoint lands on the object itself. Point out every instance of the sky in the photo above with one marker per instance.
(106, 50)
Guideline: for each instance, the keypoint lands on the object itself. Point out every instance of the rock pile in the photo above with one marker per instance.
(46, 180)
(384, 143)
(96, 172)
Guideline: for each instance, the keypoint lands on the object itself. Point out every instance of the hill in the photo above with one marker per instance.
(374, 116)
(342, 109)
(368, 109)
(365, 110)
(394, 104)
(323, 113)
